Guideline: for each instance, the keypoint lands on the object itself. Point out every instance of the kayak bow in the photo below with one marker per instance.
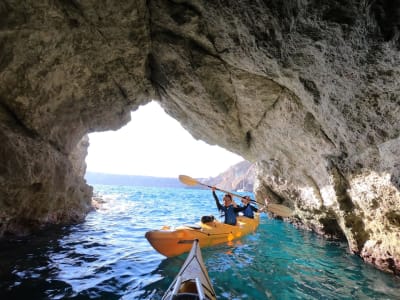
(192, 281)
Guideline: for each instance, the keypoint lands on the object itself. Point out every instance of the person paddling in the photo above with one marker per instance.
(248, 208)
(230, 210)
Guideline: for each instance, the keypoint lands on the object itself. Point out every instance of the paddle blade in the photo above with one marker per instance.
(280, 210)
(188, 180)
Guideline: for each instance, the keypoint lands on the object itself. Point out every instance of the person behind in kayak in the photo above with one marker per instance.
(248, 208)
(230, 210)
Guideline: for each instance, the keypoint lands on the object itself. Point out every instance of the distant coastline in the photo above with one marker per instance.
(238, 177)
(134, 180)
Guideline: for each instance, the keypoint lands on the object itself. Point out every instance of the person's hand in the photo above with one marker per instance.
(213, 188)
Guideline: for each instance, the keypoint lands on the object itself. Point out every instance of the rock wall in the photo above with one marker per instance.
(307, 90)
(67, 68)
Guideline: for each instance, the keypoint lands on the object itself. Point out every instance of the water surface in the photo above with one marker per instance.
(107, 256)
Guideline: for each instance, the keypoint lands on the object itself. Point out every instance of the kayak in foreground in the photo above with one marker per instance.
(175, 242)
(192, 281)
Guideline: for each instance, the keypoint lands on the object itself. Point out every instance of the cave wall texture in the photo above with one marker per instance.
(308, 90)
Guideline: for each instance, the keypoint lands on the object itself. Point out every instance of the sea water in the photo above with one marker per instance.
(108, 257)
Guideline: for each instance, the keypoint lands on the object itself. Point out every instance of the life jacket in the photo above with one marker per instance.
(248, 212)
(230, 215)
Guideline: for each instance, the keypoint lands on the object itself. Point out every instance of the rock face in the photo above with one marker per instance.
(240, 176)
(307, 90)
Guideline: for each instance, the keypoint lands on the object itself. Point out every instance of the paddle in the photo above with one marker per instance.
(277, 209)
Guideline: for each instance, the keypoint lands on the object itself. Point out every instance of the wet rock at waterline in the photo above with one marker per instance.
(309, 91)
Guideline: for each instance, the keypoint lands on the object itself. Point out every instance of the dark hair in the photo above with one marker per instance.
(228, 195)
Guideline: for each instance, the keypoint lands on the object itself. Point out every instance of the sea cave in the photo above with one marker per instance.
(308, 91)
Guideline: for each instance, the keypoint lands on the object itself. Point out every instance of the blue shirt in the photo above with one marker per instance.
(229, 211)
(248, 211)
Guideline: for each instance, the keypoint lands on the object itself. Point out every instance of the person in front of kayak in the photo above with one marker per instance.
(229, 208)
(248, 208)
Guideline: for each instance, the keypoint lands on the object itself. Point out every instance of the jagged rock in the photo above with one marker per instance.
(309, 91)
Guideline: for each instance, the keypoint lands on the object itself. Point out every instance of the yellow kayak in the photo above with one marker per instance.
(175, 242)
(192, 281)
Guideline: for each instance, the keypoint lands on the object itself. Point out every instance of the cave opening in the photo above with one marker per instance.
(155, 144)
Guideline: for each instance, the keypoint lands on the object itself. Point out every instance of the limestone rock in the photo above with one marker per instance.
(66, 69)
(238, 177)
(309, 91)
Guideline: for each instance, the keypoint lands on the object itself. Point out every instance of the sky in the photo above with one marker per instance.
(155, 144)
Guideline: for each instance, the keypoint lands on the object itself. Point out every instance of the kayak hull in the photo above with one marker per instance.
(192, 281)
(175, 242)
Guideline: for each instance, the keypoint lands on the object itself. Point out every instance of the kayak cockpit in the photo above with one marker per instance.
(189, 289)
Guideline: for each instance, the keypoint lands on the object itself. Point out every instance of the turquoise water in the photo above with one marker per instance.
(107, 256)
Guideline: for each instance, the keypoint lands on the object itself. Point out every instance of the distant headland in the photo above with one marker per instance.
(135, 180)
(237, 177)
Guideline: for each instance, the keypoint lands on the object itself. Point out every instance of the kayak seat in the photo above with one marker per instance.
(189, 290)
(188, 287)
(186, 296)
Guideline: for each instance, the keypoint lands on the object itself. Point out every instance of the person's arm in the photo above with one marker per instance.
(219, 206)
(255, 209)
(239, 208)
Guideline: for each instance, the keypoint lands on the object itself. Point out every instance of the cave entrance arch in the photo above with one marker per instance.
(155, 144)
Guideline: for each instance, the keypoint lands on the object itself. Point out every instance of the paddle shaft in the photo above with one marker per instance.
(227, 192)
